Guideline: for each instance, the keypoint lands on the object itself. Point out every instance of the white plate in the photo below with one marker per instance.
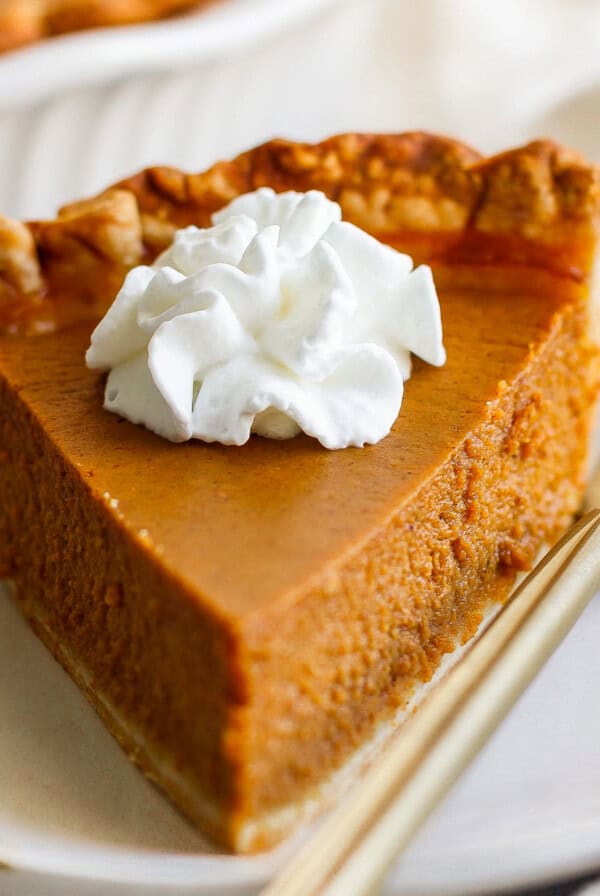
(77, 818)
(87, 57)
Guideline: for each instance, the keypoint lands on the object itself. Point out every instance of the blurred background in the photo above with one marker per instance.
(80, 111)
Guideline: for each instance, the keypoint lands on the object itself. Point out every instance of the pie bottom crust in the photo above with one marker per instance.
(153, 762)
(158, 766)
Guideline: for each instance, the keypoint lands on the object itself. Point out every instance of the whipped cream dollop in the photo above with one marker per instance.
(280, 317)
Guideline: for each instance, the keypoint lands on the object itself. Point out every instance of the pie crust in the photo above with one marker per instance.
(247, 620)
(536, 205)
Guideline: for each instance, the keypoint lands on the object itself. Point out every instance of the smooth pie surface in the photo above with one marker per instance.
(247, 525)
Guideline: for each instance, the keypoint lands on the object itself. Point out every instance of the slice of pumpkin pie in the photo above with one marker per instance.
(247, 613)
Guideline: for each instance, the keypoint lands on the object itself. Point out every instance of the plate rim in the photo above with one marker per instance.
(113, 865)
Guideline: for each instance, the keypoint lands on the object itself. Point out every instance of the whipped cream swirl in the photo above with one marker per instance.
(280, 317)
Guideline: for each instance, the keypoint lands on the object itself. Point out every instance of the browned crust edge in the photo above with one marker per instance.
(540, 196)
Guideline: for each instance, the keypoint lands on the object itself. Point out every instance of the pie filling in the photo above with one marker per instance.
(247, 619)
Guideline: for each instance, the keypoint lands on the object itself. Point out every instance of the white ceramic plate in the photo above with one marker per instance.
(87, 57)
(76, 818)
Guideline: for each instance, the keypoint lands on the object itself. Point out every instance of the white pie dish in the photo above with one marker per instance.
(81, 111)
(37, 71)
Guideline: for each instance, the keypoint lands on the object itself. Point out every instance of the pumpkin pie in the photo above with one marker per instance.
(25, 21)
(248, 620)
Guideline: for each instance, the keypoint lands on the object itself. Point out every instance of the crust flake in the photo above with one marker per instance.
(539, 195)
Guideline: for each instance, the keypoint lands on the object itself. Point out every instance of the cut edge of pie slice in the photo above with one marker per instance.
(251, 648)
